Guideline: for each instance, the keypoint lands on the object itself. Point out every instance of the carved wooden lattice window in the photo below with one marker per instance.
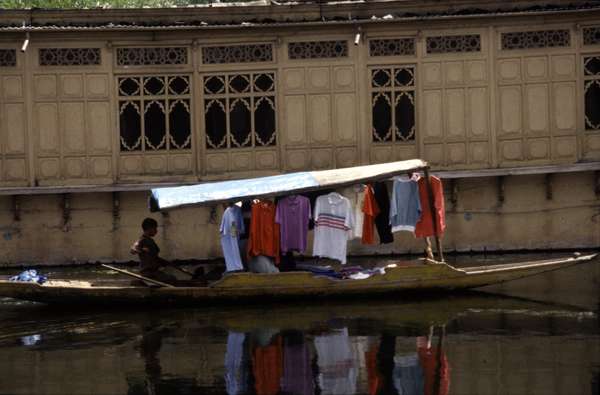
(69, 56)
(318, 49)
(591, 35)
(392, 47)
(8, 58)
(237, 54)
(536, 39)
(591, 73)
(152, 56)
(450, 44)
(154, 112)
(240, 110)
(393, 103)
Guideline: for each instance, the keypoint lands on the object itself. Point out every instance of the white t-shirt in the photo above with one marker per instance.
(356, 195)
(333, 226)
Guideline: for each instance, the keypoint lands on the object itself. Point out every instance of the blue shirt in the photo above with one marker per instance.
(232, 225)
(405, 207)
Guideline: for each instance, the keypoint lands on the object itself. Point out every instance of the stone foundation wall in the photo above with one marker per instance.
(93, 230)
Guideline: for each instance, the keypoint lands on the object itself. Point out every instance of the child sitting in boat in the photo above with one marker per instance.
(147, 249)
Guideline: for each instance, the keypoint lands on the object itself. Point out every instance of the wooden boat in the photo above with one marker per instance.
(416, 276)
(424, 275)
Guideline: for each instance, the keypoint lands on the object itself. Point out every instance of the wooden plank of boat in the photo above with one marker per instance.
(135, 275)
(244, 287)
(263, 187)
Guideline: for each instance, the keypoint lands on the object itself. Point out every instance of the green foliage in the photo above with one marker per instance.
(78, 4)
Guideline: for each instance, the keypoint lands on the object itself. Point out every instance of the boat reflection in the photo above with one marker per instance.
(470, 343)
(335, 363)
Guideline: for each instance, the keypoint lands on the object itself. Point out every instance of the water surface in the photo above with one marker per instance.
(468, 343)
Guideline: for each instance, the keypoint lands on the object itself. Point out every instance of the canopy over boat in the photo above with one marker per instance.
(262, 187)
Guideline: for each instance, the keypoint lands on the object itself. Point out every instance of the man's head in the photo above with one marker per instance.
(150, 227)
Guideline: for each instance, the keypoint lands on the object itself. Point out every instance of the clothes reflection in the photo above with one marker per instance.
(269, 362)
(236, 368)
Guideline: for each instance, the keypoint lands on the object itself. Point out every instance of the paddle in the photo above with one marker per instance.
(138, 276)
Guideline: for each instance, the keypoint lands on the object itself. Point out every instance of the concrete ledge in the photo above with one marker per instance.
(451, 174)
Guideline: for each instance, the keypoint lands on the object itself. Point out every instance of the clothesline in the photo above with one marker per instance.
(282, 227)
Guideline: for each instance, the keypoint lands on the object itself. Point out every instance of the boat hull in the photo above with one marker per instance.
(246, 287)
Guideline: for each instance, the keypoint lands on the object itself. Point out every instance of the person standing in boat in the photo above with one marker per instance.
(147, 249)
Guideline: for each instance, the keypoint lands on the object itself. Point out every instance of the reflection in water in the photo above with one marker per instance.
(282, 363)
(236, 372)
(466, 344)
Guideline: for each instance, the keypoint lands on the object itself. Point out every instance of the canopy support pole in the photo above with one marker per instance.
(434, 219)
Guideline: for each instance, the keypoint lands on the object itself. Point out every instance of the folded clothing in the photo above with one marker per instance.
(29, 276)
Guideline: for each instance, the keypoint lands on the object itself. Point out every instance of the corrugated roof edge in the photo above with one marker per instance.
(276, 14)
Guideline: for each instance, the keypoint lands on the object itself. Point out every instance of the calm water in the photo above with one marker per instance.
(471, 343)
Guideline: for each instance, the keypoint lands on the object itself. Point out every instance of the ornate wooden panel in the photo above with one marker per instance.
(100, 131)
(45, 86)
(381, 154)
(321, 158)
(14, 127)
(72, 124)
(15, 170)
(565, 108)
(478, 113)
(297, 159)
(345, 126)
(71, 86)
(295, 120)
(320, 118)
(455, 114)
(12, 87)
(510, 111)
(73, 127)
(346, 157)
(46, 123)
(266, 160)
(433, 119)
(536, 97)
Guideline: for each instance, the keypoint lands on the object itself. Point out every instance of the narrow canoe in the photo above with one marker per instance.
(417, 276)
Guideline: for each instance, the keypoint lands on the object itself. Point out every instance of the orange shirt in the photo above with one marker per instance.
(267, 366)
(424, 227)
(371, 210)
(264, 232)
(373, 377)
(435, 370)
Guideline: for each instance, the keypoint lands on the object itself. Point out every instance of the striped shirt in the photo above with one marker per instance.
(333, 226)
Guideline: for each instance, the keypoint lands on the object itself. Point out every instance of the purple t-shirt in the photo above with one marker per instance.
(292, 215)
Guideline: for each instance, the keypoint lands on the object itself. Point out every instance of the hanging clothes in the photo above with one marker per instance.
(267, 366)
(232, 226)
(293, 215)
(337, 368)
(333, 225)
(408, 375)
(356, 196)
(405, 206)
(382, 221)
(370, 210)
(436, 373)
(236, 373)
(297, 366)
(264, 231)
(424, 227)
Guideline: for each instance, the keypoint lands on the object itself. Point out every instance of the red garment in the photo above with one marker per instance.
(371, 210)
(424, 227)
(373, 376)
(434, 363)
(264, 231)
(267, 365)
